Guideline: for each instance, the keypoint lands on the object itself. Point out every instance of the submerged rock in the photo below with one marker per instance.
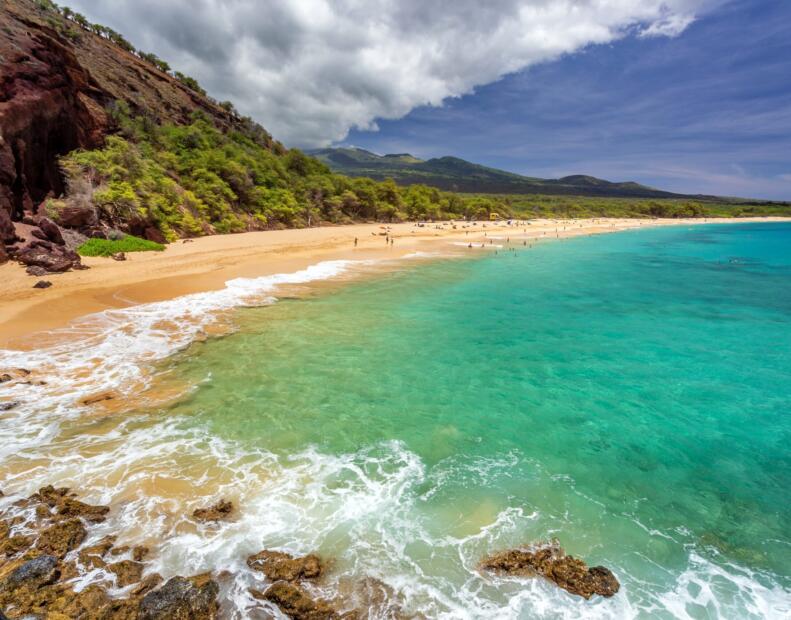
(278, 566)
(66, 506)
(182, 599)
(296, 603)
(552, 563)
(69, 507)
(220, 511)
(93, 556)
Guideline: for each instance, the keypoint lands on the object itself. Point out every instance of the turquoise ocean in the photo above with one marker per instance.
(627, 394)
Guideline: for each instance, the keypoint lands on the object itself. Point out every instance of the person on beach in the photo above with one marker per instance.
(355, 242)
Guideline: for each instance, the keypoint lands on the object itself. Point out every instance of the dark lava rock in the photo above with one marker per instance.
(277, 565)
(51, 230)
(221, 510)
(8, 406)
(296, 603)
(182, 599)
(551, 562)
(7, 231)
(54, 259)
(34, 270)
(34, 573)
(77, 217)
(119, 256)
(42, 284)
(39, 234)
(61, 538)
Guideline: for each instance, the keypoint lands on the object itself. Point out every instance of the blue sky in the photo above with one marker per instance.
(708, 111)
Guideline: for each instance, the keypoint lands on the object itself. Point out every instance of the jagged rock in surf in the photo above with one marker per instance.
(93, 556)
(182, 599)
(278, 566)
(296, 603)
(220, 511)
(551, 562)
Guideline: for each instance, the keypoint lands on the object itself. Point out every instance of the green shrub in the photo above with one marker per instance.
(108, 247)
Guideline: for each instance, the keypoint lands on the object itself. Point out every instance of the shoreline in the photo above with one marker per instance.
(207, 263)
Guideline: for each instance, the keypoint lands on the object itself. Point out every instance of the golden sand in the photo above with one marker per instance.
(207, 263)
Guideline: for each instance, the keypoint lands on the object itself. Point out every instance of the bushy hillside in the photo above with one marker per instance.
(196, 179)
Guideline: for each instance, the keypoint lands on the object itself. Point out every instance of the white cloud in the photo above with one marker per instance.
(310, 70)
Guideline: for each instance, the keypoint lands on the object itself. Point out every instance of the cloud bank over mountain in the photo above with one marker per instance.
(310, 70)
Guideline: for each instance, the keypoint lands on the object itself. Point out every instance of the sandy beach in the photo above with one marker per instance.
(206, 263)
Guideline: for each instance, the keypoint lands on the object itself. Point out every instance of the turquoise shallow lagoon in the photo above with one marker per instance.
(628, 394)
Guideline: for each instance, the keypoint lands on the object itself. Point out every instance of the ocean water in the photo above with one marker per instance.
(626, 394)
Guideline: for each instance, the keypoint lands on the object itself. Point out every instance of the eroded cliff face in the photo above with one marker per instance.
(56, 84)
(49, 105)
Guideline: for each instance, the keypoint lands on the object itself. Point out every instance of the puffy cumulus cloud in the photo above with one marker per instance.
(309, 70)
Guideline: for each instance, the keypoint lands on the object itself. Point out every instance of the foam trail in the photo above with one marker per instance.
(112, 351)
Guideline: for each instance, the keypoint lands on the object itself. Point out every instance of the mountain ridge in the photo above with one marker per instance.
(457, 174)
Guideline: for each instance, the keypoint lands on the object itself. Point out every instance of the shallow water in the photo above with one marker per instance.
(627, 394)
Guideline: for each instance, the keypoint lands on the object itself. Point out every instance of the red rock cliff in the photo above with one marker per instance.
(56, 81)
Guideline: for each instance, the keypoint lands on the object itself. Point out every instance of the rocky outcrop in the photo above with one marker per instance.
(47, 256)
(221, 511)
(182, 599)
(278, 566)
(296, 603)
(36, 570)
(551, 562)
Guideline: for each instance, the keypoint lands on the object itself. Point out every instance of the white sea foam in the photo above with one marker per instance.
(113, 351)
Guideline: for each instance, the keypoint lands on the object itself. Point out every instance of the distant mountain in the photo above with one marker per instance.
(452, 173)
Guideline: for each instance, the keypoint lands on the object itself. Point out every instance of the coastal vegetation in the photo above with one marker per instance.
(127, 243)
(195, 179)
